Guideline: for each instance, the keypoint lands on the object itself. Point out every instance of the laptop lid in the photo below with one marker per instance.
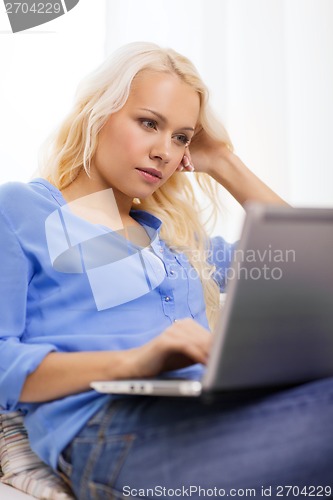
(276, 327)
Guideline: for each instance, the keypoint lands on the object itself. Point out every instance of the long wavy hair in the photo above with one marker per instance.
(72, 147)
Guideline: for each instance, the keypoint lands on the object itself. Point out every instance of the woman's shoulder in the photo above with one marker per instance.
(28, 201)
(26, 195)
(10, 189)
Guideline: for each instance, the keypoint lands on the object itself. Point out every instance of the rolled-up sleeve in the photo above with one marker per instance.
(221, 256)
(17, 359)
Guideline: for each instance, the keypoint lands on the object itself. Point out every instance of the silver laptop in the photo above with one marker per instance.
(276, 327)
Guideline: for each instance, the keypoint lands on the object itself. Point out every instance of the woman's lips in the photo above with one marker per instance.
(150, 174)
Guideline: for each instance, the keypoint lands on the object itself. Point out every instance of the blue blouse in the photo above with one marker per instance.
(69, 285)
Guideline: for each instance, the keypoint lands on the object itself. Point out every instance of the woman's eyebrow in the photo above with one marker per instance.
(163, 119)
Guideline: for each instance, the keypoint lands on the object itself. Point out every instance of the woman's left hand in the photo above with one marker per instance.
(216, 159)
(205, 153)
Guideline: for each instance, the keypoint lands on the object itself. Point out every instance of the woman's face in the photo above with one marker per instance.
(142, 145)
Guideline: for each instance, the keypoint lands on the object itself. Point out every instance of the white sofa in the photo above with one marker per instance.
(10, 493)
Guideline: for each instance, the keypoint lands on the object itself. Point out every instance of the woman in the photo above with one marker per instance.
(97, 270)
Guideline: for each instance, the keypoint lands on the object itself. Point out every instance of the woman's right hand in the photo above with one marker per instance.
(64, 373)
(184, 343)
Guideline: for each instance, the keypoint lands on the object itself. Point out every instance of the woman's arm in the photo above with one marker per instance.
(216, 159)
(244, 185)
(61, 374)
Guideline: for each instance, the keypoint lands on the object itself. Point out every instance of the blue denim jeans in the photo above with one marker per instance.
(151, 447)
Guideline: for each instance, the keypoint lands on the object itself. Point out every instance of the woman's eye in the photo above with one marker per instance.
(183, 139)
(152, 125)
(148, 123)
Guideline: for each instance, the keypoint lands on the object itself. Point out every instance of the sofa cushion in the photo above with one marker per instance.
(21, 467)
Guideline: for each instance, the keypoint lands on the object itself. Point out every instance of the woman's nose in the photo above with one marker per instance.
(161, 150)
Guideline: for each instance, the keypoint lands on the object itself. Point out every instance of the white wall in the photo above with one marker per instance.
(309, 58)
(40, 69)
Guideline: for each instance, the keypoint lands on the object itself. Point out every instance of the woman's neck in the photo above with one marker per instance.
(92, 202)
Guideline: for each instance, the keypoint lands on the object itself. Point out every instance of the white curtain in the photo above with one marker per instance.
(269, 65)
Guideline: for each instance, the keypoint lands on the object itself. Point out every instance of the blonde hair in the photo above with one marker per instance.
(72, 147)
